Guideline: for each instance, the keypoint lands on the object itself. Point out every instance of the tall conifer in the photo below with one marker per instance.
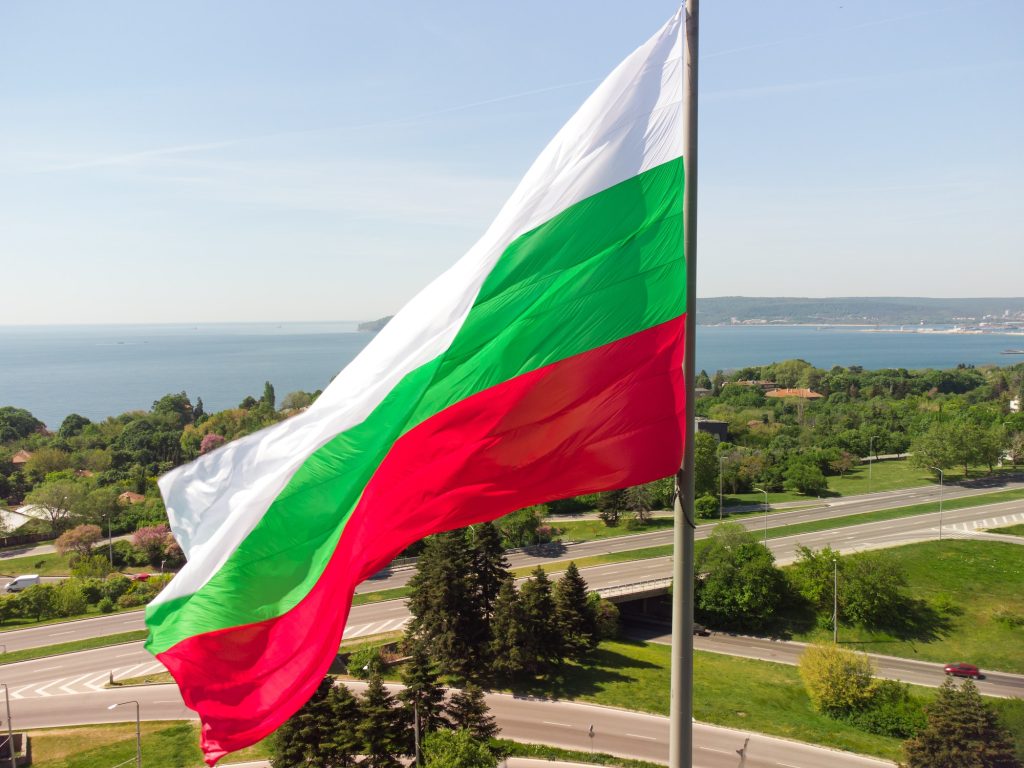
(511, 652)
(383, 731)
(574, 614)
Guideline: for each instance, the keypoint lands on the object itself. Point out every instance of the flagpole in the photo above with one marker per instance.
(681, 698)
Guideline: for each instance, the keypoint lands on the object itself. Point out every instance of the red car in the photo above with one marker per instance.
(140, 577)
(963, 670)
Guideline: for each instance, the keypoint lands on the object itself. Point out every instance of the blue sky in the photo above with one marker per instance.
(245, 160)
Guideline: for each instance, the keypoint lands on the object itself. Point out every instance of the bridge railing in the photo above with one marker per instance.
(636, 586)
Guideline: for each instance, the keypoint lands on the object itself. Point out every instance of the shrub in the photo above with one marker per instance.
(92, 589)
(92, 567)
(152, 541)
(838, 681)
(891, 711)
(69, 599)
(37, 601)
(1008, 618)
(8, 607)
(133, 600)
(606, 614)
(115, 586)
(364, 661)
(106, 605)
(706, 506)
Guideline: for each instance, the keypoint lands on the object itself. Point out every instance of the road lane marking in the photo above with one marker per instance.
(563, 725)
(715, 749)
(67, 688)
(126, 655)
(47, 669)
(58, 634)
(638, 736)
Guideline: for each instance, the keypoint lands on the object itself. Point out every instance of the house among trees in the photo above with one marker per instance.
(20, 459)
(130, 497)
(763, 384)
(717, 429)
(802, 392)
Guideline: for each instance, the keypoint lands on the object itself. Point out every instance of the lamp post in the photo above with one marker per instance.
(110, 539)
(765, 514)
(138, 730)
(10, 728)
(871, 458)
(941, 476)
(835, 601)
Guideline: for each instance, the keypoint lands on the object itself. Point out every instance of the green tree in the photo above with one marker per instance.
(606, 617)
(544, 642)
(72, 425)
(37, 601)
(872, 591)
(813, 575)
(519, 529)
(838, 681)
(611, 505)
(490, 566)
(17, 423)
(705, 464)
(446, 614)
(457, 749)
(269, 399)
(344, 745)
(932, 448)
(702, 380)
(422, 693)
(574, 614)
(962, 732)
(383, 731)
(640, 501)
(58, 500)
(739, 585)
(305, 738)
(510, 648)
(467, 710)
(804, 476)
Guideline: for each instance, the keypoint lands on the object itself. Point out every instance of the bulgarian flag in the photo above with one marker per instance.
(546, 363)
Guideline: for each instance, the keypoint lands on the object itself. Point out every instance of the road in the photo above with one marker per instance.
(785, 652)
(71, 673)
(558, 723)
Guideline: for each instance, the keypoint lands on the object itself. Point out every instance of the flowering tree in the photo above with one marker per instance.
(152, 541)
(211, 441)
(79, 540)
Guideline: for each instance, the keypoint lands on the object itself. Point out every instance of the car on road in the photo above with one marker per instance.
(19, 583)
(960, 669)
(140, 577)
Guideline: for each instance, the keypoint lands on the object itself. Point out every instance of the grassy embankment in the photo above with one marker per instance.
(74, 646)
(967, 605)
(52, 564)
(1012, 530)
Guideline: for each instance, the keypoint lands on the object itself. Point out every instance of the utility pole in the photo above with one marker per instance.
(10, 727)
(871, 458)
(941, 478)
(835, 601)
(762, 490)
(680, 743)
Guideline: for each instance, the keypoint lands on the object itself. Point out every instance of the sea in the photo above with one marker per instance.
(104, 370)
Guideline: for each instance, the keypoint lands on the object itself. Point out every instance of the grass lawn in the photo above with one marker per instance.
(1013, 530)
(591, 530)
(730, 691)
(52, 565)
(381, 595)
(587, 562)
(165, 744)
(77, 645)
(974, 593)
(888, 475)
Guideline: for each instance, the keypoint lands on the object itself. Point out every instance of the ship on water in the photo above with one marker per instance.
(1012, 352)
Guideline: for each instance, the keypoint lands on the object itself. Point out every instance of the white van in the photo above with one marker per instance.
(22, 582)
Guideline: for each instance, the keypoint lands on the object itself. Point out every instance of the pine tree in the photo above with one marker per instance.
(611, 505)
(344, 744)
(467, 709)
(422, 689)
(574, 614)
(446, 614)
(543, 640)
(490, 566)
(304, 738)
(269, 399)
(962, 732)
(510, 648)
(383, 732)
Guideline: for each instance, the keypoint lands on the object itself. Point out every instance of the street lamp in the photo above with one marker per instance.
(10, 729)
(940, 499)
(765, 514)
(871, 457)
(138, 730)
(835, 601)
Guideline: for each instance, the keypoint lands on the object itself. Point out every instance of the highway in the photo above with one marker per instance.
(786, 652)
(558, 723)
(81, 672)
